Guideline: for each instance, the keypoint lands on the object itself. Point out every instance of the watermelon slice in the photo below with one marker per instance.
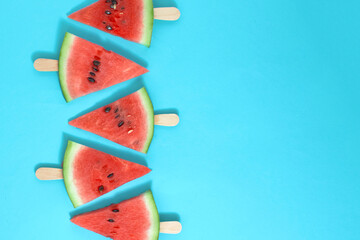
(129, 19)
(136, 219)
(89, 173)
(85, 67)
(128, 121)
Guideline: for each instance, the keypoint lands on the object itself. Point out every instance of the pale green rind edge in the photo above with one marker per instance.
(148, 22)
(70, 153)
(145, 99)
(154, 215)
(63, 58)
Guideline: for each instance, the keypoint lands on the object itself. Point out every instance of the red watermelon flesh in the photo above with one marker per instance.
(89, 173)
(133, 219)
(128, 121)
(129, 19)
(85, 67)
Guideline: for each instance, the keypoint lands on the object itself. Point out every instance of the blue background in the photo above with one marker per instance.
(268, 95)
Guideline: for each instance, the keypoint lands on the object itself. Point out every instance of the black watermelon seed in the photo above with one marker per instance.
(116, 110)
(104, 22)
(91, 79)
(95, 69)
(121, 123)
(110, 175)
(108, 27)
(101, 188)
(92, 74)
(117, 116)
(122, 8)
(111, 220)
(114, 2)
(96, 63)
(107, 12)
(107, 109)
(115, 210)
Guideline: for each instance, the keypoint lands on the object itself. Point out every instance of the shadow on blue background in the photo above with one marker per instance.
(83, 4)
(166, 111)
(167, 3)
(164, 217)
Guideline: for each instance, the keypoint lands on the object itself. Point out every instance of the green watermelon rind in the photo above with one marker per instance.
(70, 153)
(145, 99)
(63, 58)
(154, 216)
(148, 22)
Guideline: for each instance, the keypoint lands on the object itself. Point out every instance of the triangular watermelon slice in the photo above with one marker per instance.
(85, 67)
(133, 219)
(128, 121)
(89, 173)
(129, 19)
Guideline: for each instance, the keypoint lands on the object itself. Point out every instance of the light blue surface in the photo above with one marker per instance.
(268, 95)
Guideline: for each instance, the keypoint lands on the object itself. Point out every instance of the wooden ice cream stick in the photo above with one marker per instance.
(46, 65)
(43, 173)
(167, 13)
(46, 173)
(168, 120)
(173, 227)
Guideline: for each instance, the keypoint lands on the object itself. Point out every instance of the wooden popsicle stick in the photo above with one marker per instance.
(46, 65)
(168, 120)
(46, 173)
(166, 13)
(173, 227)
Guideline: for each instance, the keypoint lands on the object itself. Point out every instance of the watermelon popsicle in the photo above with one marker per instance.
(129, 121)
(129, 19)
(136, 218)
(89, 173)
(85, 67)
